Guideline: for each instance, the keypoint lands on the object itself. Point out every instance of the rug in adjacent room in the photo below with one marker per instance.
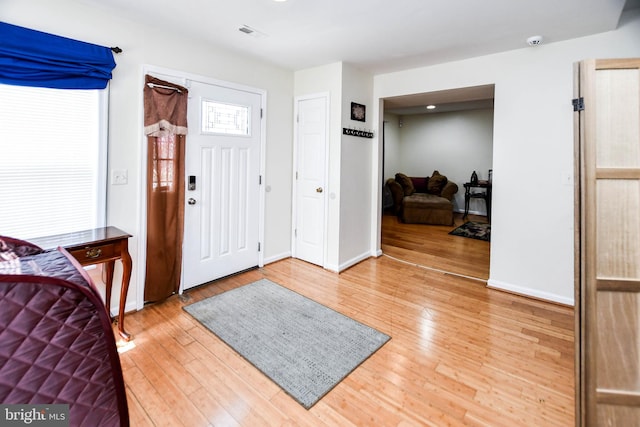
(304, 347)
(474, 230)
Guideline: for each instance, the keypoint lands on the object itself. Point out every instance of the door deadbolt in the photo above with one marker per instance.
(191, 201)
(319, 190)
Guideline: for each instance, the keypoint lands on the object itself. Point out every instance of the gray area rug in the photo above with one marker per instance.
(304, 347)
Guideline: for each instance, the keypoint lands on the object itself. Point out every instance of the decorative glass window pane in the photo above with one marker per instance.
(225, 118)
(164, 153)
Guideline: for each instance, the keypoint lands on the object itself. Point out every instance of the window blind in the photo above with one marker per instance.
(53, 161)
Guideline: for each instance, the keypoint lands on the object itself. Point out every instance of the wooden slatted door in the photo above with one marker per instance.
(608, 289)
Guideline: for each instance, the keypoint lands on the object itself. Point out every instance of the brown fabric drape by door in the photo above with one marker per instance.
(165, 124)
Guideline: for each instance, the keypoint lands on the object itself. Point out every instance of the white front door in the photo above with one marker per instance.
(222, 167)
(310, 180)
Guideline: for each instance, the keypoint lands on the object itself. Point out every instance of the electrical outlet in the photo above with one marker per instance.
(119, 176)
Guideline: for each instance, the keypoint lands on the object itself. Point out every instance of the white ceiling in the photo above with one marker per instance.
(374, 35)
(467, 98)
(377, 36)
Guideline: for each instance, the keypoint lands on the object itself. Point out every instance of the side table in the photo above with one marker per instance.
(97, 246)
(485, 195)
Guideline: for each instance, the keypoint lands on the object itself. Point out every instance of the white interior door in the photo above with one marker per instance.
(221, 230)
(311, 191)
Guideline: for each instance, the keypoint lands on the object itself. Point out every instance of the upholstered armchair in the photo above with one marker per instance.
(418, 200)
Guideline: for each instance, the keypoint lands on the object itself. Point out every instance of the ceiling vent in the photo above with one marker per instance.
(251, 31)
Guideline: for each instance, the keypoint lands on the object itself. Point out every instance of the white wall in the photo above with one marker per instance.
(350, 159)
(532, 230)
(163, 47)
(392, 153)
(454, 143)
(355, 170)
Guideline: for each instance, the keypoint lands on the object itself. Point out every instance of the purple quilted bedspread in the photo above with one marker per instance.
(56, 341)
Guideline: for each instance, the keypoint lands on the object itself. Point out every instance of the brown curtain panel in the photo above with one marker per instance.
(165, 124)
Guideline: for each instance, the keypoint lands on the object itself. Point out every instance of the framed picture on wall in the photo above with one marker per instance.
(358, 112)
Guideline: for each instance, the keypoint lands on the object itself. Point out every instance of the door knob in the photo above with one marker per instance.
(191, 201)
(319, 190)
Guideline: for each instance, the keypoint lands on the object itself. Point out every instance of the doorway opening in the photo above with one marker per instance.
(449, 132)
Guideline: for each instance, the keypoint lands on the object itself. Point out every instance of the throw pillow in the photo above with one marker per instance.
(420, 184)
(436, 183)
(405, 183)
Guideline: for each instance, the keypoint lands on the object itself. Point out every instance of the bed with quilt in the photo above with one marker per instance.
(56, 341)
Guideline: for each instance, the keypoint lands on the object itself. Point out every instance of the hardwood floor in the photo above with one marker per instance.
(460, 354)
(432, 246)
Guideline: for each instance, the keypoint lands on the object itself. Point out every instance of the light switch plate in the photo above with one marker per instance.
(119, 176)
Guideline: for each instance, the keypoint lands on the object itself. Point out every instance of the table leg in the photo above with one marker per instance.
(467, 198)
(126, 277)
(109, 265)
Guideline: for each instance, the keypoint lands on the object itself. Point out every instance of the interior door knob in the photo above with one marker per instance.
(319, 190)
(191, 201)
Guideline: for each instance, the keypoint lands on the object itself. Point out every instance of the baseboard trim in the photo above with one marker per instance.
(332, 267)
(276, 258)
(472, 212)
(531, 293)
(353, 261)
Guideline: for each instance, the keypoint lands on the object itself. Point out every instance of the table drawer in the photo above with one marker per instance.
(95, 254)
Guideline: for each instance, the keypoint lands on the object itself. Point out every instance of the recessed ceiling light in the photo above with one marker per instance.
(431, 107)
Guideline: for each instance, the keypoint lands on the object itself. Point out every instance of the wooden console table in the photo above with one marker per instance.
(97, 246)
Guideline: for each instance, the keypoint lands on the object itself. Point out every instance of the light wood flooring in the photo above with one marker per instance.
(432, 246)
(460, 354)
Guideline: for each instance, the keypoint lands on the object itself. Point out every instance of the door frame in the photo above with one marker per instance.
(294, 192)
(183, 78)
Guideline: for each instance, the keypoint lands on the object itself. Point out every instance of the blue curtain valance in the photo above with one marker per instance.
(33, 58)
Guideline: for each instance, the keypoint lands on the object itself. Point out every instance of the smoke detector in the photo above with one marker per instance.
(534, 40)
